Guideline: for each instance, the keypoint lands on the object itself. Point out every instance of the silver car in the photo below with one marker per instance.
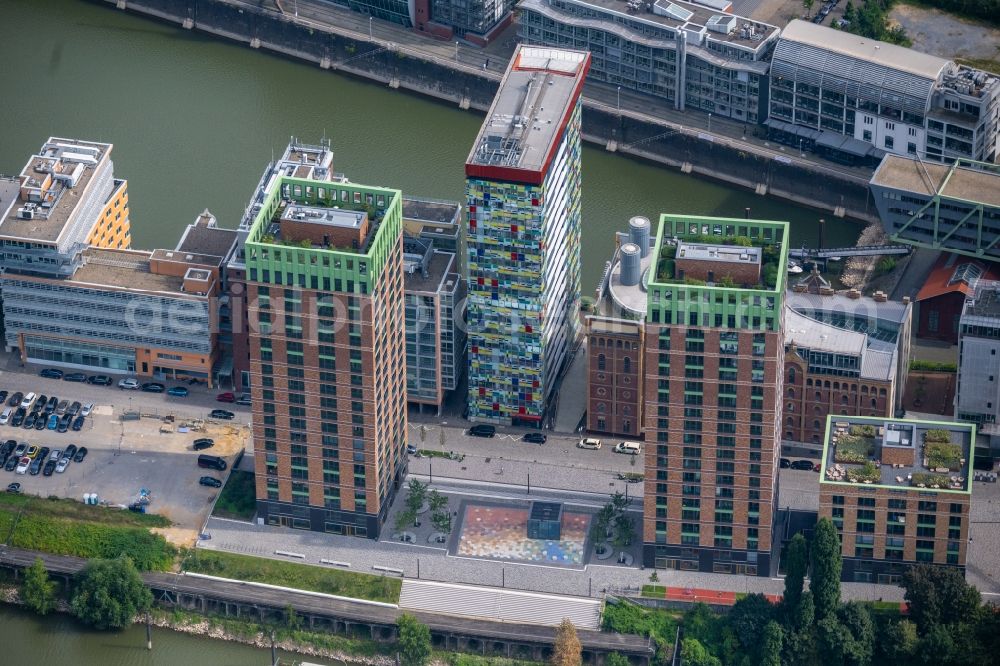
(62, 465)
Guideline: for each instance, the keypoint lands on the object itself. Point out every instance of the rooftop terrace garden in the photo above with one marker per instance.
(867, 473)
(770, 258)
(940, 453)
(853, 448)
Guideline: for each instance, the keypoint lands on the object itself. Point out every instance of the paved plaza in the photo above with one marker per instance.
(500, 532)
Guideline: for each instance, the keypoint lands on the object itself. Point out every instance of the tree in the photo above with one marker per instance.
(38, 592)
(770, 647)
(440, 512)
(796, 563)
(899, 642)
(416, 495)
(624, 531)
(414, 641)
(616, 659)
(748, 618)
(693, 653)
(808, 4)
(110, 594)
(937, 648)
(405, 518)
(826, 565)
(567, 650)
(856, 619)
(938, 596)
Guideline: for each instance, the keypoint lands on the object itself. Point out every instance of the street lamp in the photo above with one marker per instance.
(800, 148)
(619, 104)
(456, 51)
(370, 36)
(296, 8)
(710, 122)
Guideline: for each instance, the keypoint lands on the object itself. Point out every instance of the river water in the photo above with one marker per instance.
(195, 119)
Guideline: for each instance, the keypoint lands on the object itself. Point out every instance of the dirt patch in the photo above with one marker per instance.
(930, 392)
(938, 33)
(182, 537)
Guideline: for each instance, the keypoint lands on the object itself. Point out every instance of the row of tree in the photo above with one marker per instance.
(947, 623)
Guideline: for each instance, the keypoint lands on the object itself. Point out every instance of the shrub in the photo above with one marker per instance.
(867, 472)
(863, 430)
(944, 455)
(937, 435)
(148, 551)
(932, 366)
(930, 480)
(853, 449)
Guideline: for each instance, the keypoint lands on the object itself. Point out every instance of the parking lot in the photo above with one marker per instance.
(150, 452)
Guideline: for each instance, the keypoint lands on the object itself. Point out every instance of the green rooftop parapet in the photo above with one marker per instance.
(270, 259)
(723, 303)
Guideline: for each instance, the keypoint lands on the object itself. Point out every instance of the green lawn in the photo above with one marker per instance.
(238, 498)
(289, 574)
(67, 508)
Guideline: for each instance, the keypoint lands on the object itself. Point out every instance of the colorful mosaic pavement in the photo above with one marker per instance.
(500, 532)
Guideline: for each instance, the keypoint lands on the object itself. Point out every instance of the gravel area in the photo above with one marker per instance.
(938, 33)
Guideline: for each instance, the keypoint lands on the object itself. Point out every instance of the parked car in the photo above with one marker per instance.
(27, 400)
(5, 415)
(40, 403)
(53, 421)
(77, 424)
(629, 448)
(69, 452)
(589, 443)
(225, 397)
(22, 465)
(14, 488)
(244, 399)
(32, 452)
(212, 462)
(50, 466)
(75, 377)
(129, 384)
(203, 443)
(210, 481)
(99, 380)
(153, 387)
(87, 409)
(55, 454)
(64, 423)
(412, 450)
(35, 468)
(75, 408)
(784, 463)
(222, 414)
(535, 438)
(3, 397)
(806, 465)
(62, 465)
(51, 405)
(18, 417)
(40, 422)
(29, 420)
(11, 463)
(20, 449)
(178, 391)
(62, 407)
(80, 454)
(15, 399)
(51, 373)
(483, 430)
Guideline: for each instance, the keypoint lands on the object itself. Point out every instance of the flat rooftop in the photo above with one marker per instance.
(433, 276)
(631, 297)
(187, 257)
(431, 211)
(841, 304)
(962, 181)
(985, 305)
(865, 49)
(537, 94)
(207, 240)
(333, 217)
(123, 269)
(856, 442)
(819, 336)
(49, 220)
(734, 254)
(673, 14)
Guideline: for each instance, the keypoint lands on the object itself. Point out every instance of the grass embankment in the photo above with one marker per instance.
(67, 527)
(629, 618)
(289, 574)
(238, 499)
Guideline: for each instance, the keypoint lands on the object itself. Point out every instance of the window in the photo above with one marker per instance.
(932, 321)
(867, 136)
(889, 141)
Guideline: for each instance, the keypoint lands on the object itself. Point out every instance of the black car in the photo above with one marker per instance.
(14, 488)
(74, 409)
(39, 403)
(29, 420)
(43, 452)
(212, 462)
(64, 423)
(70, 451)
(41, 421)
(802, 464)
(51, 405)
(153, 387)
(18, 417)
(222, 414)
(3, 396)
(78, 423)
(483, 430)
(51, 373)
(11, 464)
(75, 377)
(534, 438)
(203, 443)
(784, 463)
(36, 466)
(80, 454)
(210, 481)
(15, 399)
(99, 380)
(50, 466)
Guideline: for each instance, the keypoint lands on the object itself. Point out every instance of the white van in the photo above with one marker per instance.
(631, 448)
(28, 399)
(5, 416)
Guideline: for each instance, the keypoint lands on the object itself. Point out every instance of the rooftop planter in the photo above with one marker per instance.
(867, 473)
(854, 449)
(943, 455)
(930, 480)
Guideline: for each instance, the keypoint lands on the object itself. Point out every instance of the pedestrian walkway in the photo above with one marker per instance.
(490, 603)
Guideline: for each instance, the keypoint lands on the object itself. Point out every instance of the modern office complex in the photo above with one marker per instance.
(435, 337)
(713, 374)
(856, 99)
(523, 196)
(476, 21)
(831, 370)
(690, 55)
(898, 492)
(436, 220)
(977, 397)
(324, 279)
(952, 207)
